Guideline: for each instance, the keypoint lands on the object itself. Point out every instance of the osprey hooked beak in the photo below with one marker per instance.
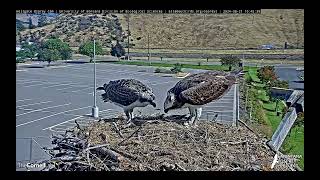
(169, 102)
(153, 104)
(100, 88)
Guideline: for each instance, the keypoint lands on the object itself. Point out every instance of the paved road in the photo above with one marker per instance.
(48, 100)
(291, 75)
(286, 72)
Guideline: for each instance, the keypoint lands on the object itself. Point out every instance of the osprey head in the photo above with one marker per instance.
(170, 102)
(103, 87)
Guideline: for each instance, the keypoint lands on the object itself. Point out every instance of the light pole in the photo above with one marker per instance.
(128, 39)
(149, 50)
(95, 109)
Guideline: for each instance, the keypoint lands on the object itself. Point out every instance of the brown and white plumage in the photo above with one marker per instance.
(199, 89)
(128, 94)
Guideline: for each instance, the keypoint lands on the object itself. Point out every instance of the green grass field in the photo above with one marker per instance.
(294, 144)
(254, 75)
(272, 114)
(206, 67)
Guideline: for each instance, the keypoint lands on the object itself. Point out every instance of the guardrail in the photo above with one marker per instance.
(283, 129)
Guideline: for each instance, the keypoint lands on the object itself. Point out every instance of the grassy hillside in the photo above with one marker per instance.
(216, 30)
(76, 29)
(180, 31)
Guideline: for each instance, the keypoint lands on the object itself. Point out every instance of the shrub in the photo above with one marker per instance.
(157, 70)
(69, 34)
(267, 74)
(117, 50)
(230, 60)
(280, 84)
(162, 70)
(259, 113)
(300, 119)
(42, 20)
(177, 68)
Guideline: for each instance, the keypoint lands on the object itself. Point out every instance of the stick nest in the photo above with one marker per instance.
(161, 143)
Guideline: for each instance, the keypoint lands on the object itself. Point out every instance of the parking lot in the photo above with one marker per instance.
(49, 99)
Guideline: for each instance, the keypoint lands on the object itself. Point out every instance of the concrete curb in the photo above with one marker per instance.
(181, 77)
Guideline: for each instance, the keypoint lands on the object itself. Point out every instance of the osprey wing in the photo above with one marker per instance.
(207, 91)
(118, 93)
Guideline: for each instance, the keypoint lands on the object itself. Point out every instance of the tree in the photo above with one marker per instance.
(117, 50)
(54, 49)
(42, 20)
(30, 23)
(230, 61)
(30, 50)
(267, 74)
(20, 55)
(50, 55)
(87, 49)
(19, 25)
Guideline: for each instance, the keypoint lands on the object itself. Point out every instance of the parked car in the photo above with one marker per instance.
(267, 46)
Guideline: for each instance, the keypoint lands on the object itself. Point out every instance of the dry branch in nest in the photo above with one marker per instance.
(161, 143)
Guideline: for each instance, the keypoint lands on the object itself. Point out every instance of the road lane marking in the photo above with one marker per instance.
(71, 87)
(43, 83)
(62, 123)
(50, 116)
(42, 109)
(65, 122)
(20, 83)
(82, 89)
(33, 104)
(58, 84)
(23, 100)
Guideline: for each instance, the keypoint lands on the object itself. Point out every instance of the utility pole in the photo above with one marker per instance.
(148, 50)
(95, 109)
(128, 39)
(245, 107)
(204, 16)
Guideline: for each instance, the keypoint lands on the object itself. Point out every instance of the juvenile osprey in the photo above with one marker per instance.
(197, 90)
(128, 94)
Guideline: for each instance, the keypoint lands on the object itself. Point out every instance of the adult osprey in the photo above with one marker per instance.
(128, 94)
(197, 90)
